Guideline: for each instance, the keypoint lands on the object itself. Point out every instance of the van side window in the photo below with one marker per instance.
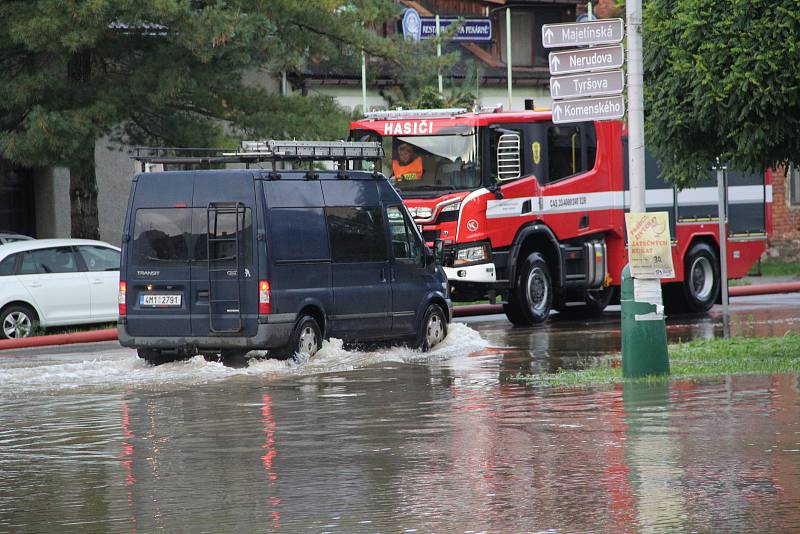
(305, 228)
(405, 244)
(161, 234)
(356, 234)
(571, 149)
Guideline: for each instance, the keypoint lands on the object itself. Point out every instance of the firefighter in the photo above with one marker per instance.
(407, 165)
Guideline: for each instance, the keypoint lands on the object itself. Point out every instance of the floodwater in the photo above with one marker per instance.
(397, 441)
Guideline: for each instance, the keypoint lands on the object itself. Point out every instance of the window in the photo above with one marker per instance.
(356, 234)
(299, 234)
(405, 244)
(223, 226)
(8, 264)
(571, 149)
(99, 258)
(793, 184)
(161, 235)
(27, 265)
(521, 38)
(55, 260)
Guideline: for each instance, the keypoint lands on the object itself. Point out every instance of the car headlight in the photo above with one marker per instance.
(455, 206)
(476, 254)
(421, 213)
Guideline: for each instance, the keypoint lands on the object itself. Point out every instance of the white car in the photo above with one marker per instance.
(56, 282)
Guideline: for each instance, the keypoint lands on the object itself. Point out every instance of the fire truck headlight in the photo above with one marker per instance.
(469, 255)
(455, 206)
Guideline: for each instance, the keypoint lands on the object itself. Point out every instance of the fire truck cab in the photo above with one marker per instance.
(532, 212)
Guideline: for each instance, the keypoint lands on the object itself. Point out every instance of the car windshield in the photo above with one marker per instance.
(428, 163)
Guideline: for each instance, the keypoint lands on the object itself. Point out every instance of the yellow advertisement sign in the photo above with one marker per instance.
(649, 245)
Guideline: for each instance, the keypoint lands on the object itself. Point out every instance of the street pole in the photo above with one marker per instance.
(644, 332)
(439, 55)
(723, 243)
(589, 10)
(363, 82)
(508, 53)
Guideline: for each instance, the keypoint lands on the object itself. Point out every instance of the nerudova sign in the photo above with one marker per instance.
(606, 31)
(586, 59)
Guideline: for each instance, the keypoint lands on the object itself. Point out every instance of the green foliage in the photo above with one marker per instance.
(721, 79)
(170, 72)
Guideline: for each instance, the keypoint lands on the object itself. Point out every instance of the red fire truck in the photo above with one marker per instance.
(532, 212)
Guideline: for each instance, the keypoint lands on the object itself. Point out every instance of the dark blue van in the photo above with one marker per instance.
(231, 260)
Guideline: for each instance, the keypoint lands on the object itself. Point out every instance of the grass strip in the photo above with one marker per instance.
(695, 359)
(776, 268)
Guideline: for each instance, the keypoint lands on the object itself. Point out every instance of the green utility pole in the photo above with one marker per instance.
(644, 333)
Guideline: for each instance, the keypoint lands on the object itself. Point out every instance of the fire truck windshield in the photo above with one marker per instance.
(427, 164)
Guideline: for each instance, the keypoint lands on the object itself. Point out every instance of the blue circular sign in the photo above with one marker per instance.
(412, 24)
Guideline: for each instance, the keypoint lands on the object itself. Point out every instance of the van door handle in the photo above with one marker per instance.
(383, 274)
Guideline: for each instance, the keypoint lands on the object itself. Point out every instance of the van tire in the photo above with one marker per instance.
(154, 356)
(18, 321)
(432, 329)
(531, 298)
(306, 340)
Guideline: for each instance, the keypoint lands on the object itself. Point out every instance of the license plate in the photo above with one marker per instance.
(161, 301)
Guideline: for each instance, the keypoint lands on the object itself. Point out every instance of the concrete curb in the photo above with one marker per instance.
(737, 291)
(59, 339)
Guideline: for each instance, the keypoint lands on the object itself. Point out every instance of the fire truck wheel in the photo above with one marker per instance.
(701, 282)
(532, 297)
(596, 301)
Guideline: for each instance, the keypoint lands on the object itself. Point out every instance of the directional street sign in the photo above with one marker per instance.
(606, 31)
(588, 109)
(585, 59)
(610, 82)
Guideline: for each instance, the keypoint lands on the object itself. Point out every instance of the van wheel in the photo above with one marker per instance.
(701, 283)
(18, 321)
(532, 297)
(306, 340)
(433, 328)
(155, 356)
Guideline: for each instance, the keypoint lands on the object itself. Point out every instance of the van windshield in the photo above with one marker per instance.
(432, 163)
(181, 235)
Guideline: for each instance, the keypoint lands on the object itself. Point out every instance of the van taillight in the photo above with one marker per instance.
(264, 298)
(123, 290)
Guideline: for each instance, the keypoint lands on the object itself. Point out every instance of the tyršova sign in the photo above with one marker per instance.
(610, 82)
(606, 31)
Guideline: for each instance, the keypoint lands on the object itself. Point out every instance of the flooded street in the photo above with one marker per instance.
(398, 441)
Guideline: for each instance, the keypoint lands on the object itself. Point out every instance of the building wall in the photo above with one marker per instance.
(51, 198)
(114, 171)
(785, 242)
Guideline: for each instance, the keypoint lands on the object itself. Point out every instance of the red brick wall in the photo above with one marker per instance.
(785, 242)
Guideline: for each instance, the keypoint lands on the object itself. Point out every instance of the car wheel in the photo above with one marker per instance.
(306, 340)
(432, 329)
(532, 297)
(18, 321)
(701, 283)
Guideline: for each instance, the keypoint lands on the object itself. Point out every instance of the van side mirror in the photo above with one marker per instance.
(509, 161)
(438, 251)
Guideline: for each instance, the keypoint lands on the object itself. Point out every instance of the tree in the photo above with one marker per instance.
(166, 72)
(721, 80)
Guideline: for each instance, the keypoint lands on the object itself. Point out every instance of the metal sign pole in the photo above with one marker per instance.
(635, 106)
(508, 53)
(722, 212)
(363, 82)
(439, 55)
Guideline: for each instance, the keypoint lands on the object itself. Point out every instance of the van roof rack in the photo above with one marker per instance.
(257, 151)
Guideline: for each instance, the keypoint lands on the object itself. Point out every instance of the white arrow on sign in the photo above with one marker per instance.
(556, 115)
(555, 87)
(554, 63)
(548, 35)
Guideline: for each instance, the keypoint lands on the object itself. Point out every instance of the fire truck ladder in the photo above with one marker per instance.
(224, 314)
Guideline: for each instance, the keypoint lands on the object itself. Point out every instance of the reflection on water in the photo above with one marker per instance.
(397, 441)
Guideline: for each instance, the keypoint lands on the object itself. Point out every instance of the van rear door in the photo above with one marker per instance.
(224, 274)
(158, 255)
